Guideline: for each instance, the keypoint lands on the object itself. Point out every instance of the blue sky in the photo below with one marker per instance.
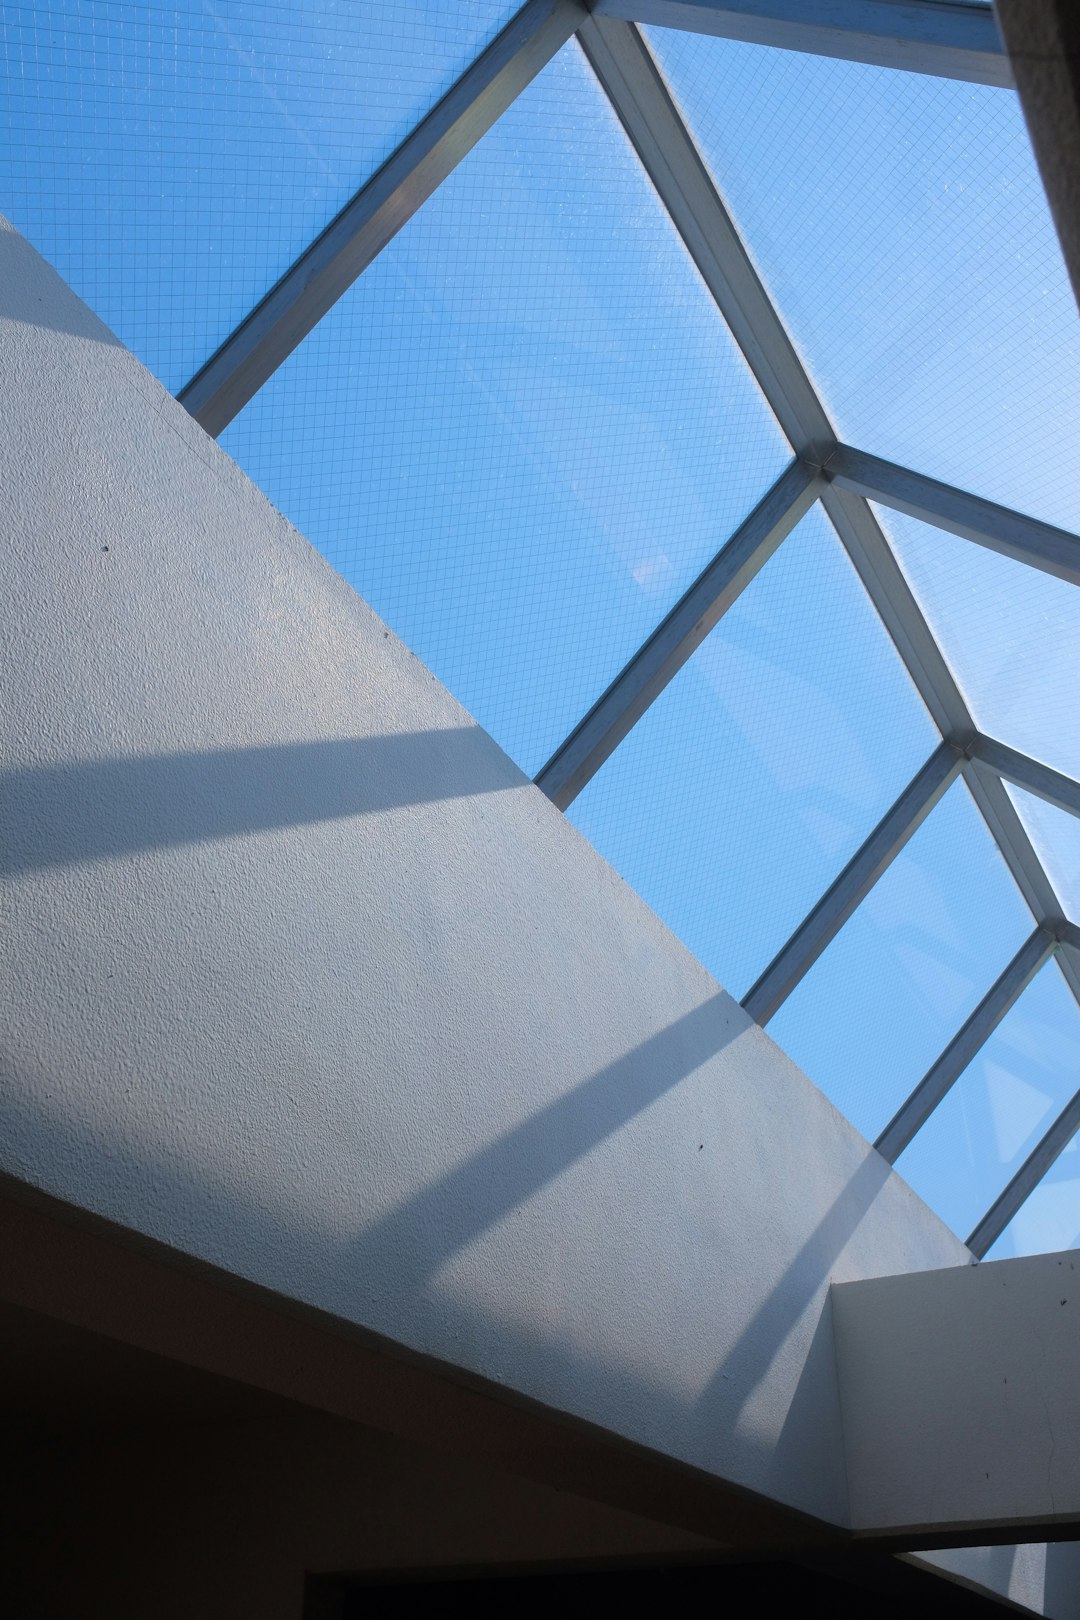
(526, 429)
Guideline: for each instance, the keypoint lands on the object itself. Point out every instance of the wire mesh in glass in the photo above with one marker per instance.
(172, 159)
(917, 956)
(526, 429)
(1001, 1106)
(900, 223)
(743, 791)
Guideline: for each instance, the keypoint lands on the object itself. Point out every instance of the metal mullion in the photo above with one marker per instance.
(902, 617)
(634, 85)
(966, 1044)
(329, 266)
(1030, 774)
(1068, 956)
(1028, 872)
(916, 36)
(1026, 1179)
(875, 563)
(1069, 963)
(1010, 835)
(834, 908)
(998, 528)
(666, 651)
(629, 75)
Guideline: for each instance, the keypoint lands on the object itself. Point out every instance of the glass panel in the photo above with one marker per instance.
(172, 160)
(1056, 837)
(756, 775)
(901, 225)
(901, 977)
(1050, 1219)
(1011, 634)
(1002, 1105)
(526, 429)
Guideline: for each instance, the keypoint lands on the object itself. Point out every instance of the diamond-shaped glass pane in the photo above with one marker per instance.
(172, 159)
(1049, 1219)
(907, 969)
(1056, 837)
(526, 429)
(900, 223)
(1001, 1106)
(740, 795)
(1010, 632)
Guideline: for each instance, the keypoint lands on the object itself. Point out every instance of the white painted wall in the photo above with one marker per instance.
(304, 978)
(961, 1393)
(1033, 1576)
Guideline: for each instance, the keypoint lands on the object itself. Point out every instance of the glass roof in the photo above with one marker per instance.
(549, 406)
(998, 1110)
(172, 160)
(1010, 632)
(898, 981)
(750, 783)
(1050, 1218)
(524, 431)
(1056, 837)
(900, 223)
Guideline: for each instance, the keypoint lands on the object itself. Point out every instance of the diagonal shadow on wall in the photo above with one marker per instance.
(413, 1240)
(60, 815)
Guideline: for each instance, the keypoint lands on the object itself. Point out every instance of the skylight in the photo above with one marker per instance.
(1011, 635)
(900, 224)
(524, 431)
(705, 413)
(172, 160)
(753, 779)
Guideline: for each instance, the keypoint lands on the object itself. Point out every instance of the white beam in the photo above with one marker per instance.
(917, 36)
(310, 982)
(999, 528)
(1030, 774)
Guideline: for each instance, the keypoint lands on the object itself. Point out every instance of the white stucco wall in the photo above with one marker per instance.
(304, 978)
(961, 1394)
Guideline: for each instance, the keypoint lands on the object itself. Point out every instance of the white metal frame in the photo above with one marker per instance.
(900, 823)
(330, 265)
(917, 36)
(665, 652)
